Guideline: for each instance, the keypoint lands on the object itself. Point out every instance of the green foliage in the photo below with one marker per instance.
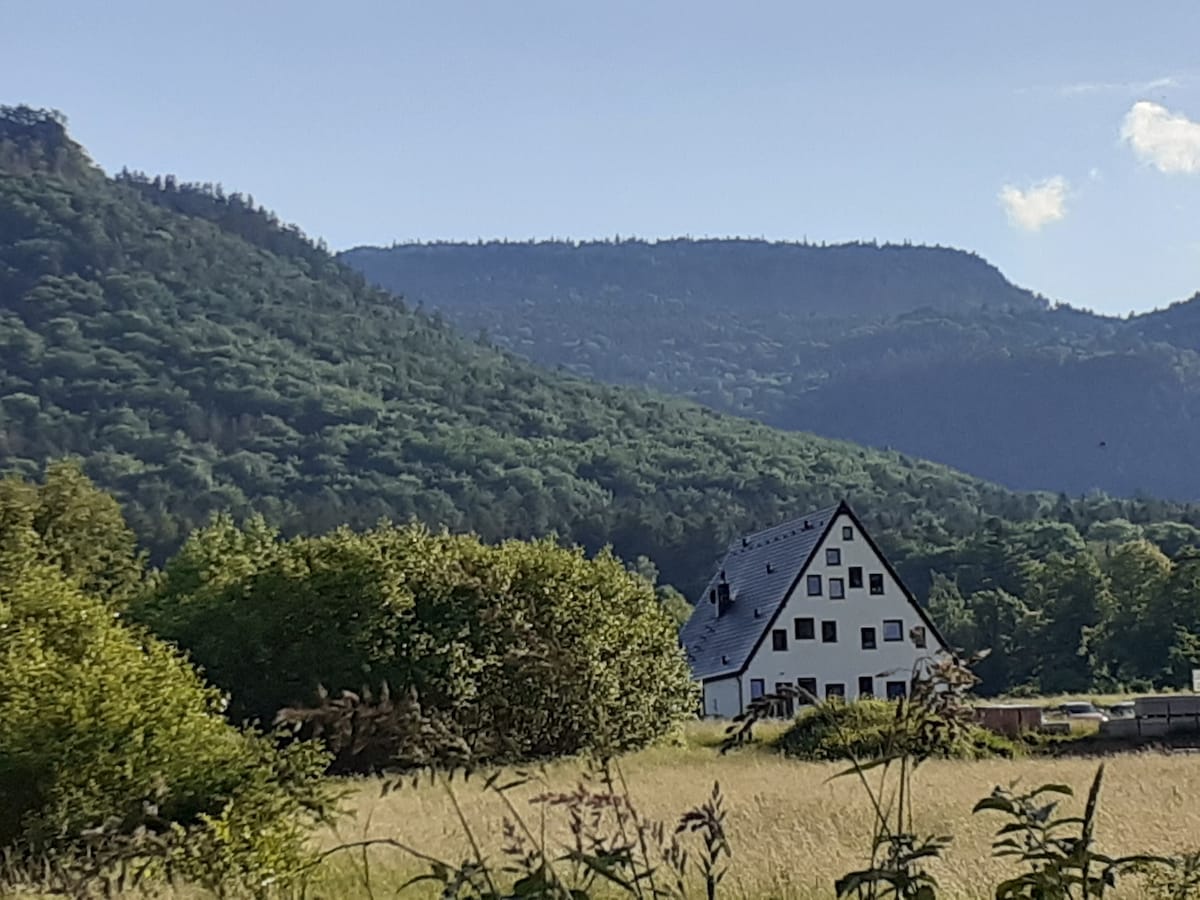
(81, 531)
(926, 349)
(1058, 855)
(867, 729)
(529, 648)
(201, 358)
(104, 727)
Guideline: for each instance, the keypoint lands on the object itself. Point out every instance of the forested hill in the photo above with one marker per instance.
(927, 350)
(200, 357)
(713, 277)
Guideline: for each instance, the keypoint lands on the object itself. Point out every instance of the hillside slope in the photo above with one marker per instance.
(928, 350)
(199, 357)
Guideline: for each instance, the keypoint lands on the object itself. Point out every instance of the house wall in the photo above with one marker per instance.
(844, 661)
(722, 698)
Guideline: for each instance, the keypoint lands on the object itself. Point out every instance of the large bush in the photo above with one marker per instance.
(102, 726)
(529, 649)
(870, 729)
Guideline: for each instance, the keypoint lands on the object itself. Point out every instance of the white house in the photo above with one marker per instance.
(811, 603)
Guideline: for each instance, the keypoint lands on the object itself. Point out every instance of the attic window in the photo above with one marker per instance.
(918, 637)
(847, 533)
(778, 639)
(814, 585)
(876, 583)
(893, 630)
(855, 576)
(833, 557)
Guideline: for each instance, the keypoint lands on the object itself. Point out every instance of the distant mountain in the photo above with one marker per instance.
(927, 350)
(201, 357)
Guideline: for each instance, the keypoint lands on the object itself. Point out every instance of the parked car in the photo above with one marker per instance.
(1082, 711)
(1123, 710)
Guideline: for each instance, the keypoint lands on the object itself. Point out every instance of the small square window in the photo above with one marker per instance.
(866, 686)
(897, 689)
(829, 632)
(868, 638)
(808, 689)
(805, 629)
(758, 687)
(835, 691)
(876, 583)
(855, 574)
(778, 639)
(918, 637)
(833, 556)
(893, 630)
(847, 533)
(814, 585)
(837, 588)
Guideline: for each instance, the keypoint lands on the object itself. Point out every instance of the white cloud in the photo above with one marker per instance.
(1168, 141)
(1037, 205)
(1117, 87)
(1131, 88)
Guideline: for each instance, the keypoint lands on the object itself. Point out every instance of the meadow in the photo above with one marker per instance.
(793, 828)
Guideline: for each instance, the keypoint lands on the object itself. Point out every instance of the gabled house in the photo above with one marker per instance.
(811, 603)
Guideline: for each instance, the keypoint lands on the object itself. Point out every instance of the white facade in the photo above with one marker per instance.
(836, 655)
(723, 697)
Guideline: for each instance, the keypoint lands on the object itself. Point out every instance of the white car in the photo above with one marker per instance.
(1082, 711)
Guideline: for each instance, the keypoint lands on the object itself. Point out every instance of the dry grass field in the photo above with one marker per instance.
(793, 831)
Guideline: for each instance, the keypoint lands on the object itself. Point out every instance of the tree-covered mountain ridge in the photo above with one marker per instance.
(926, 349)
(200, 357)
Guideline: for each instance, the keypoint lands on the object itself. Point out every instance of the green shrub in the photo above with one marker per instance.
(868, 729)
(105, 729)
(529, 649)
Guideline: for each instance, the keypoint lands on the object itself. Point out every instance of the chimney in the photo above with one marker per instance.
(724, 597)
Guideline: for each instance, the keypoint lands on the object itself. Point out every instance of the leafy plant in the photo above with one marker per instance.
(1058, 852)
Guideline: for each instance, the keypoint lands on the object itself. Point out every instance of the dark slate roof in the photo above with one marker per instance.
(717, 647)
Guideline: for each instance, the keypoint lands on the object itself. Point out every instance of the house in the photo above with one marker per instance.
(811, 603)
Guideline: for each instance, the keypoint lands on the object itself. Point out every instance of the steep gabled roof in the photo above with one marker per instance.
(723, 646)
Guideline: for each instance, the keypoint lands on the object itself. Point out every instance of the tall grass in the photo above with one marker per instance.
(793, 831)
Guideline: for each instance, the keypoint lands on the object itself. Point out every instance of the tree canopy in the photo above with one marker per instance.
(199, 357)
(925, 349)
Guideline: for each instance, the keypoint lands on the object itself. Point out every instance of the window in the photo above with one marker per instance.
(814, 585)
(868, 638)
(833, 557)
(758, 687)
(829, 632)
(876, 583)
(856, 576)
(837, 588)
(835, 691)
(778, 639)
(893, 630)
(804, 629)
(866, 686)
(918, 636)
(808, 689)
(897, 689)
(785, 705)
(847, 533)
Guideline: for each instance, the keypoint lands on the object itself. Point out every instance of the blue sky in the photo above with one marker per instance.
(1059, 140)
